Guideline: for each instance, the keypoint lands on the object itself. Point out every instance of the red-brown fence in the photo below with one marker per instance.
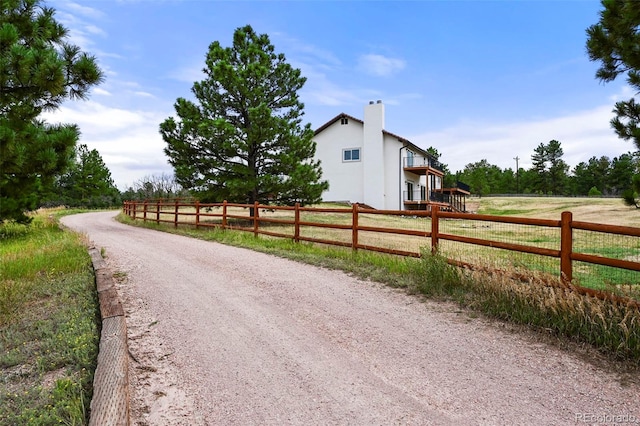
(354, 224)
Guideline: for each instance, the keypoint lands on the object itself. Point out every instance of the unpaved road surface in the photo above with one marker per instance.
(225, 336)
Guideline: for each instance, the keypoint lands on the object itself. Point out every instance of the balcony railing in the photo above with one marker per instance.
(463, 186)
(415, 195)
(420, 161)
(421, 195)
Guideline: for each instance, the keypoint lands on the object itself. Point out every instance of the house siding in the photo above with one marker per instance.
(393, 170)
(345, 179)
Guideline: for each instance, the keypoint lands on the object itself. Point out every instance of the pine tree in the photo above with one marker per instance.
(88, 181)
(550, 169)
(38, 71)
(615, 42)
(243, 140)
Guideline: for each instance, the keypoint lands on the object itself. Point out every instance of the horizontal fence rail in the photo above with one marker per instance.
(406, 232)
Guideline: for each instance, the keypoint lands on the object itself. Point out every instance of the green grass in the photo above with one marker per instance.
(539, 303)
(503, 212)
(49, 325)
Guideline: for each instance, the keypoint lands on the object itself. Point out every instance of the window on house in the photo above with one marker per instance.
(409, 195)
(351, 154)
(344, 120)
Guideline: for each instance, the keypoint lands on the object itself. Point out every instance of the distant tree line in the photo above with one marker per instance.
(155, 187)
(549, 174)
(86, 183)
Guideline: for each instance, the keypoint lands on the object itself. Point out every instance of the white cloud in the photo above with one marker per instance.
(378, 65)
(86, 11)
(320, 91)
(321, 57)
(144, 94)
(100, 92)
(188, 74)
(75, 18)
(582, 135)
(128, 140)
(93, 29)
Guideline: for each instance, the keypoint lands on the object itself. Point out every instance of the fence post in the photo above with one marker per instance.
(256, 216)
(197, 213)
(434, 228)
(296, 220)
(354, 227)
(158, 211)
(566, 247)
(175, 216)
(144, 212)
(134, 210)
(224, 214)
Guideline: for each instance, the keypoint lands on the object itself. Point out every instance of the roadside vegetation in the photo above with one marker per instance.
(49, 324)
(540, 303)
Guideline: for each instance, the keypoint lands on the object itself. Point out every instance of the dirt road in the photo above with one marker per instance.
(222, 336)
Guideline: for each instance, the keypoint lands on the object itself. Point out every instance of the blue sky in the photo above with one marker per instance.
(474, 79)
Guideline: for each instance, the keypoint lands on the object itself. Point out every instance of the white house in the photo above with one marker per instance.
(366, 164)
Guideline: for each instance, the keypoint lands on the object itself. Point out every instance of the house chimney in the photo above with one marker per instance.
(374, 116)
(373, 155)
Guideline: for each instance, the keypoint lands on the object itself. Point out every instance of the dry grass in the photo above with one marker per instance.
(610, 211)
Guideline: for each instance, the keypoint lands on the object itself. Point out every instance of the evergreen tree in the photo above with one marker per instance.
(623, 168)
(581, 180)
(479, 176)
(449, 180)
(89, 181)
(595, 173)
(615, 42)
(539, 169)
(631, 196)
(243, 140)
(507, 182)
(38, 71)
(558, 168)
(549, 168)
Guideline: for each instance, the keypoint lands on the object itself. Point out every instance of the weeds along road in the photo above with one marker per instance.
(222, 336)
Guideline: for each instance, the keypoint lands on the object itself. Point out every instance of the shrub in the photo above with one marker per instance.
(594, 192)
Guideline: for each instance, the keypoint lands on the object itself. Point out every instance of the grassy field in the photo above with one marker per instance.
(612, 328)
(49, 324)
(611, 211)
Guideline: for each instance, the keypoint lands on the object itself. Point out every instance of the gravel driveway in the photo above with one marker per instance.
(222, 336)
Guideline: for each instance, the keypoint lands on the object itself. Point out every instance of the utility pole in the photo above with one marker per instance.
(517, 175)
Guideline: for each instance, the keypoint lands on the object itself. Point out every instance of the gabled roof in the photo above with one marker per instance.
(336, 118)
(405, 141)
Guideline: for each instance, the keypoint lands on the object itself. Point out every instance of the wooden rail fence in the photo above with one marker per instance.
(202, 215)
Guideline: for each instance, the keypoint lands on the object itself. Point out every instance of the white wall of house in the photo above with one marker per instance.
(393, 173)
(374, 167)
(345, 178)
